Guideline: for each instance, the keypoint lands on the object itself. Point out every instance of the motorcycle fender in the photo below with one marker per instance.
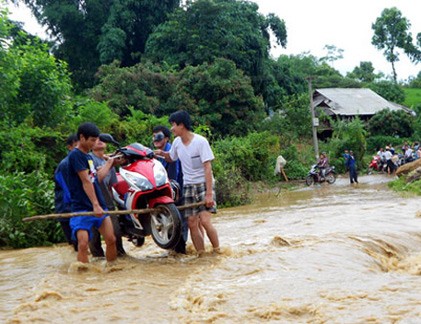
(160, 200)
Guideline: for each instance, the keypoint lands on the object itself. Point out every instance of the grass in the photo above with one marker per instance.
(400, 185)
(412, 97)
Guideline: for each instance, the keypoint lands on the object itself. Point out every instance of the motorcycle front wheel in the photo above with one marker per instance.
(309, 180)
(166, 226)
(330, 177)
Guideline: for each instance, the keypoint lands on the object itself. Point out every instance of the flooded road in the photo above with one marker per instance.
(323, 254)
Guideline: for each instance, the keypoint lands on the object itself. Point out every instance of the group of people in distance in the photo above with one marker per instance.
(83, 179)
(392, 159)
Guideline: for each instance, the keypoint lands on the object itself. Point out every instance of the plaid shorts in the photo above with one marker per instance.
(195, 193)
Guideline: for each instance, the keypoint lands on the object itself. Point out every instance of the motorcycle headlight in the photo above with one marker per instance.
(138, 181)
(160, 173)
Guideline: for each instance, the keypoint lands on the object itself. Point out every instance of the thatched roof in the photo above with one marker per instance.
(352, 102)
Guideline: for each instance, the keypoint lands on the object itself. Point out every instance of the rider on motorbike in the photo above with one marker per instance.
(322, 164)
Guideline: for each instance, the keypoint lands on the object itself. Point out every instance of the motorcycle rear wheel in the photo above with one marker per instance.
(309, 180)
(166, 226)
(330, 177)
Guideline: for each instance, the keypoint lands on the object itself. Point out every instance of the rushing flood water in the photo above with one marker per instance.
(329, 253)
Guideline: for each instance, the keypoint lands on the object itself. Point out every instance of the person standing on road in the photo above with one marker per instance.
(86, 195)
(352, 167)
(196, 158)
(389, 163)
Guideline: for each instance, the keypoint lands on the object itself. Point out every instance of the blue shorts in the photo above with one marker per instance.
(85, 223)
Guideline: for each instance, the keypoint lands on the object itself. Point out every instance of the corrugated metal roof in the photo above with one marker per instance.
(350, 102)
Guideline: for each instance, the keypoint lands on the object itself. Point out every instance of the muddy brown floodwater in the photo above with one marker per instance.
(323, 254)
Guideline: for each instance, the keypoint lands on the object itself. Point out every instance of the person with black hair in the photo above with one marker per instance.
(86, 196)
(61, 190)
(100, 159)
(161, 141)
(352, 167)
(196, 156)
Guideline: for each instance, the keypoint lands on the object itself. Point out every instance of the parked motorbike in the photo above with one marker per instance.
(313, 175)
(143, 184)
(376, 165)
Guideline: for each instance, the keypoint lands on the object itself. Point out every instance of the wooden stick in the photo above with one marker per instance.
(109, 212)
(284, 174)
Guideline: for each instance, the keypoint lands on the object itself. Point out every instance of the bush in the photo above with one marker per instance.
(231, 188)
(26, 148)
(23, 195)
(349, 135)
(297, 162)
(392, 123)
(375, 142)
(253, 156)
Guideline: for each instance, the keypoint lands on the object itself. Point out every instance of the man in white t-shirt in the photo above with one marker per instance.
(196, 156)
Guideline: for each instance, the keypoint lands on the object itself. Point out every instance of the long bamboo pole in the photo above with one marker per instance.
(109, 212)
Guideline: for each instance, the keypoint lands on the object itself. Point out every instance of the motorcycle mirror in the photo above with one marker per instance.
(107, 138)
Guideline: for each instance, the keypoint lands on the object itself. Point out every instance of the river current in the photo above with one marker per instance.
(322, 254)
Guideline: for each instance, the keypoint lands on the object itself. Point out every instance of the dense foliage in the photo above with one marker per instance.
(23, 195)
(206, 30)
(92, 32)
(347, 136)
(209, 57)
(218, 94)
(391, 123)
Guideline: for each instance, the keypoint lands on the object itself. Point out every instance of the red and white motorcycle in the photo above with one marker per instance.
(143, 184)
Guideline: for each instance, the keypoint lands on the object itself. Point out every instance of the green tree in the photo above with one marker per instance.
(219, 95)
(91, 32)
(388, 90)
(292, 119)
(415, 82)
(391, 123)
(144, 86)
(34, 85)
(205, 30)
(333, 54)
(350, 135)
(391, 32)
(364, 72)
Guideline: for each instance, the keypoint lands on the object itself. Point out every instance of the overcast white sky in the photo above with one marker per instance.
(313, 24)
(345, 24)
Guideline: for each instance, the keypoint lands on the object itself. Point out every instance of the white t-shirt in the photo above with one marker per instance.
(192, 157)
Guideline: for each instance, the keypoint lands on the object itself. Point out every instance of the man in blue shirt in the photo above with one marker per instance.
(161, 140)
(86, 196)
(352, 166)
(61, 191)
